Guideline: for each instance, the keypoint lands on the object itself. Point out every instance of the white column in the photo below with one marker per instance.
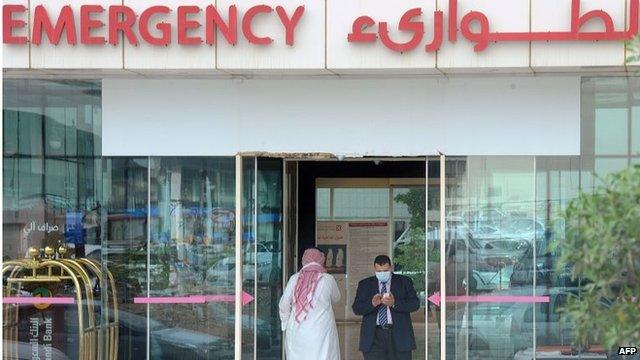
(443, 288)
(238, 269)
(426, 257)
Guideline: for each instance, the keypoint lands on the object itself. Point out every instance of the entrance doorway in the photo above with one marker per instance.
(483, 222)
(355, 210)
(358, 219)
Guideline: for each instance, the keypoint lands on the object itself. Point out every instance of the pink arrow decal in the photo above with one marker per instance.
(246, 298)
(435, 298)
(192, 299)
(220, 298)
(37, 300)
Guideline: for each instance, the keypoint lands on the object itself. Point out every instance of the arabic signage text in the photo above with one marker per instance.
(152, 26)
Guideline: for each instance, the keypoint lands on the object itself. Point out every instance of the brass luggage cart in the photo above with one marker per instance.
(98, 335)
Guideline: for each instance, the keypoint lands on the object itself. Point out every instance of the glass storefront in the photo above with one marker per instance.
(123, 250)
(191, 252)
(489, 215)
(159, 236)
(52, 192)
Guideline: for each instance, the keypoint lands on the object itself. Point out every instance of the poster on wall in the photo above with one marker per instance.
(336, 262)
(331, 238)
(331, 233)
(371, 239)
(350, 248)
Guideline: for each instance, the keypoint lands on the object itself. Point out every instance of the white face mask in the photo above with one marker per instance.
(383, 276)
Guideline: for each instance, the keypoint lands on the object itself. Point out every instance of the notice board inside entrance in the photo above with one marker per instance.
(350, 247)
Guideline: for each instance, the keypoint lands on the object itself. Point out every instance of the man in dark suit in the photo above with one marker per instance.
(385, 302)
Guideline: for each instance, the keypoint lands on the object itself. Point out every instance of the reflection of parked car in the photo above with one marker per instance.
(545, 270)
(553, 353)
(481, 230)
(523, 228)
(128, 266)
(266, 332)
(489, 236)
(500, 330)
(267, 258)
(223, 272)
(170, 342)
(477, 265)
(178, 343)
(486, 216)
(550, 330)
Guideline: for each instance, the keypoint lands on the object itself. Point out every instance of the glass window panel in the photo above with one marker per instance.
(49, 200)
(606, 166)
(59, 179)
(557, 183)
(124, 250)
(55, 121)
(10, 131)
(269, 259)
(88, 181)
(30, 131)
(75, 186)
(30, 181)
(96, 122)
(71, 131)
(611, 131)
(434, 324)
(401, 209)
(262, 256)
(9, 176)
(489, 250)
(193, 253)
(323, 203)
(360, 203)
(249, 255)
(635, 130)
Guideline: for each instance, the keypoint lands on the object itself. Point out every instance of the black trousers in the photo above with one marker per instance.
(383, 347)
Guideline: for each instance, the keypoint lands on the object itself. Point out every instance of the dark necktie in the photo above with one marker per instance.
(382, 310)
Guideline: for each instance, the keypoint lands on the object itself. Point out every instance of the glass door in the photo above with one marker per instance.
(485, 223)
(501, 293)
(262, 257)
(491, 229)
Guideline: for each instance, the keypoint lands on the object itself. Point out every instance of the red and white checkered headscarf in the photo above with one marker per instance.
(308, 276)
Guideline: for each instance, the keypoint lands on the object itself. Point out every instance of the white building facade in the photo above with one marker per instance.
(172, 141)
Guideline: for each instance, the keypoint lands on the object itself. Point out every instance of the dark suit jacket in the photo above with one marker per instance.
(406, 301)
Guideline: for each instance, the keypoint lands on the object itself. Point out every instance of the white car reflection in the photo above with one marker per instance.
(268, 260)
(502, 330)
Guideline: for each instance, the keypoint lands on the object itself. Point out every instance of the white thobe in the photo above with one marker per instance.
(316, 337)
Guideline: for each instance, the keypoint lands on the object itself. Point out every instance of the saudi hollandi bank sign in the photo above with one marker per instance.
(95, 25)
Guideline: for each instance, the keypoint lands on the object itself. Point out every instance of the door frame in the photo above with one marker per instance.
(286, 238)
